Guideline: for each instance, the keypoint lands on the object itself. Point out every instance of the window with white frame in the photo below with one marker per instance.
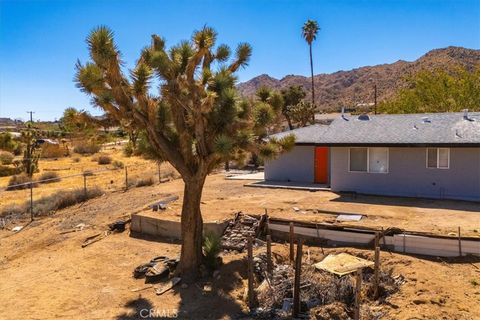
(438, 158)
(373, 160)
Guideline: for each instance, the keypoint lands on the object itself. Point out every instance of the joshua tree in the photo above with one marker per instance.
(291, 97)
(194, 122)
(309, 32)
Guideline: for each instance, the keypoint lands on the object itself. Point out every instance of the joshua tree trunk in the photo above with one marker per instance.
(192, 228)
(289, 121)
(313, 85)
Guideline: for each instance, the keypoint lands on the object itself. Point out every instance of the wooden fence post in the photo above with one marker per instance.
(296, 285)
(358, 293)
(377, 271)
(377, 240)
(292, 239)
(251, 299)
(269, 255)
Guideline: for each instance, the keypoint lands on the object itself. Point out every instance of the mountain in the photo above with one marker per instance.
(347, 88)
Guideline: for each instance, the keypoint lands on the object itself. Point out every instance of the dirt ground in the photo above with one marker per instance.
(48, 275)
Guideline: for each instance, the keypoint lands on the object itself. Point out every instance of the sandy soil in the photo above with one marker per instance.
(47, 275)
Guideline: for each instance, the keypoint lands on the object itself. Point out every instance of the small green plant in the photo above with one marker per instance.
(48, 177)
(6, 158)
(211, 250)
(118, 164)
(102, 160)
(128, 149)
(474, 282)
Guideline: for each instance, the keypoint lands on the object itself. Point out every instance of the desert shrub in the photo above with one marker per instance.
(104, 160)
(22, 179)
(6, 171)
(7, 143)
(211, 250)
(76, 159)
(13, 210)
(6, 157)
(118, 164)
(128, 149)
(84, 147)
(50, 176)
(143, 182)
(49, 150)
(56, 201)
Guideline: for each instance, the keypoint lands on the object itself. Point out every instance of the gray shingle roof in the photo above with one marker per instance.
(399, 129)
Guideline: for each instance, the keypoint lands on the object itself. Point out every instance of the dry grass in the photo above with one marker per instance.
(56, 201)
(70, 170)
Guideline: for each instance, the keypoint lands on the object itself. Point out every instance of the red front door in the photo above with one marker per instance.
(321, 165)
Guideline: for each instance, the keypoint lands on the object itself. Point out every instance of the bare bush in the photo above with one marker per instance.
(6, 157)
(84, 147)
(48, 177)
(6, 171)
(20, 181)
(49, 150)
(102, 160)
(143, 182)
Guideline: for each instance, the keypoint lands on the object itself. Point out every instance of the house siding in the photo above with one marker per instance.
(408, 175)
(296, 165)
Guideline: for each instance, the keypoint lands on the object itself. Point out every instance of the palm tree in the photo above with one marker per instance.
(309, 32)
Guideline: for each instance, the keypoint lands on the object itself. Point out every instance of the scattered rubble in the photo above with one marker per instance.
(238, 230)
(17, 228)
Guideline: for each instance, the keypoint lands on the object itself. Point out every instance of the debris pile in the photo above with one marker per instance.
(322, 293)
(158, 268)
(237, 232)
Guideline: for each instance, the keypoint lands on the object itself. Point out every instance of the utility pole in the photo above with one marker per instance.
(375, 93)
(31, 115)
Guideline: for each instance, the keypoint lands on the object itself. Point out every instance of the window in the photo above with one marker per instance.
(378, 160)
(359, 159)
(373, 160)
(438, 158)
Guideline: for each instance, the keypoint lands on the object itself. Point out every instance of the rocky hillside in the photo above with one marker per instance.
(355, 86)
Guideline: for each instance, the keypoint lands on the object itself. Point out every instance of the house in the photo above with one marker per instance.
(414, 155)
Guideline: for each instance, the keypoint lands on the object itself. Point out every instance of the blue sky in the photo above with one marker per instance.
(40, 41)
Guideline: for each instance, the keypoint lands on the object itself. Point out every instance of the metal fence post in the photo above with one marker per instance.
(126, 178)
(85, 185)
(31, 199)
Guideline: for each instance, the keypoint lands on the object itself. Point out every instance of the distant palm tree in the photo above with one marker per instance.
(309, 32)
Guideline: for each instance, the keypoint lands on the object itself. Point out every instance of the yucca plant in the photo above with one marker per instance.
(195, 121)
(211, 250)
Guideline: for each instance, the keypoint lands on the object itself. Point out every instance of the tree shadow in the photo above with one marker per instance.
(408, 202)
(194, 301)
